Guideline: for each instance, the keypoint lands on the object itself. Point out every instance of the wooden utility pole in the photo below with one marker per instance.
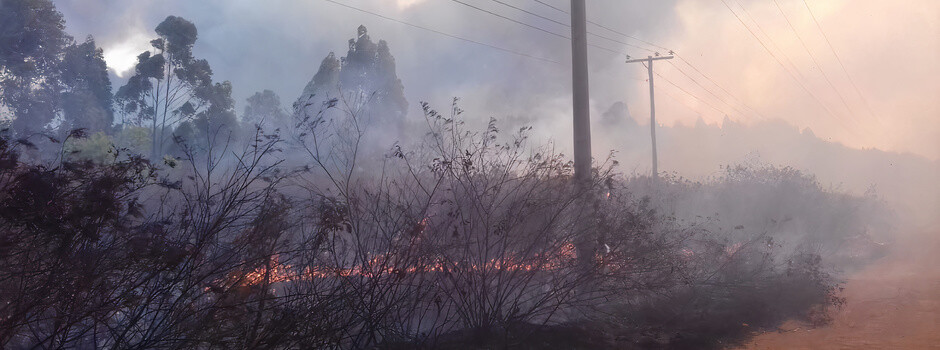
(586, 241)
(649, 65)
(581, 99)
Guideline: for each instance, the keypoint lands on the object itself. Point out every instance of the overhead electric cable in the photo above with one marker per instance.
(552, 7)
(773, 42)
(445, 34)
(511, 19)
(609, 29)
(706, 89)
(538, 28)
(839, 59)
(668, 50)
(813, 57)
(674, 98)
(531, 13)
(696, 69)
(551, 20)
(719, 86)
(787, 70)
(687, 92)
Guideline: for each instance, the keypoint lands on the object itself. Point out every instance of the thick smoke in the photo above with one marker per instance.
(296, 175)
(238, 35)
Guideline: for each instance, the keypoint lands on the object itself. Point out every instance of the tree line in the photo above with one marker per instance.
(154, 218)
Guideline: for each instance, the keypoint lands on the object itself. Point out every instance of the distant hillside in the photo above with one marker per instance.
(909, 182)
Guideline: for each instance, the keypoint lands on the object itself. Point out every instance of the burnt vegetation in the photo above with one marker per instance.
(471, 240)
(291, 230)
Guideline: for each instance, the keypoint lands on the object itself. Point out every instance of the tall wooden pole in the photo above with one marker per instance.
(653, 121)
(649, 65)
(585, 242)
(582, 108)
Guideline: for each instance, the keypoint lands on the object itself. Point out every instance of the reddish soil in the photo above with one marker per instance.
(893, 303)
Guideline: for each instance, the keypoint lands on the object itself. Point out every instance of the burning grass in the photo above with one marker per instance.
(472, 240)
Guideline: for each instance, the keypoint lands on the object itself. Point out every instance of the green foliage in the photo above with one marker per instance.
(215, 124)
(177, 37)
(32, 37)
(97, 147)
(44, 73)
(87, 95)
(102, 148)
(170, 88)
(133, 138)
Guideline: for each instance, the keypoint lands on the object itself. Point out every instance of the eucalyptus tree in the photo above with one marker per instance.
(364, 78)
(169, 85)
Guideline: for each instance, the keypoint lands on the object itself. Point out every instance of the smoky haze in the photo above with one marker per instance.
(891, 54)
(352, 174)
(278, 45)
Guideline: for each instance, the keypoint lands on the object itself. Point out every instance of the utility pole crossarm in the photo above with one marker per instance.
(651, 58)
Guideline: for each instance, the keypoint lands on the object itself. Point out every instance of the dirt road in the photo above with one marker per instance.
(892, 304)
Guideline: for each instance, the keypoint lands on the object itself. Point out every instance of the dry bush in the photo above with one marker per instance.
(461, 240)
(471, 235)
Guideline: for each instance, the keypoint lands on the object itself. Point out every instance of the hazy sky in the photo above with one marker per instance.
(891, 49)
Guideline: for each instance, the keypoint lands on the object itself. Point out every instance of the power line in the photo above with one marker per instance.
(696, 69)
(773, 42)
(674, 98)
(706, 89)
(551, 20)
(665, 49)
(621, 53)
(719, 86)
(629, 36)
(680, 58)
(687, 92)
(537, 28)
(832, 48)
(609, 29)
(531, 13)
(683, 72)
(512, 20)
(553, 7)
(787, 70)
(620, 42)
(445, 34)
(567, 38)
(787, 58)
(813, 57)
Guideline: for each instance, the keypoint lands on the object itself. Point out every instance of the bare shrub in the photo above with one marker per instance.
(472, 233)
(460, 240)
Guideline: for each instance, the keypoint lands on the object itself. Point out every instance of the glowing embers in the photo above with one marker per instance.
(388, 265)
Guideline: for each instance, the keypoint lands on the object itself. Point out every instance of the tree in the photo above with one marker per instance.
(365, 77)
(618, 114)
(217, 122)
(264, 110)
(169, 86)
(32, 37)
(45, 74)
(86, 99)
